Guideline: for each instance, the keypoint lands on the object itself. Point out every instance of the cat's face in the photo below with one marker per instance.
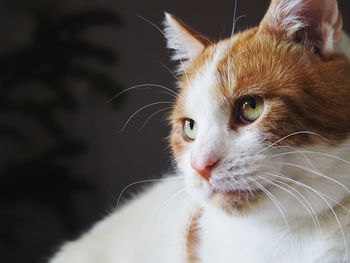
(248, 100)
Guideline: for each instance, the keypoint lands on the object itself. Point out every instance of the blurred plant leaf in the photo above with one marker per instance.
(54, 59)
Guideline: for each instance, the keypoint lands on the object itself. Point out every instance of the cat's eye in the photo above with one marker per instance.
(190, 129)
(250, 108)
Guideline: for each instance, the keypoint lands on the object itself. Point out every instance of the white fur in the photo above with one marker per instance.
(184, 45)
(150, 229)
(249, 240)
(286, 15)
(291, 16)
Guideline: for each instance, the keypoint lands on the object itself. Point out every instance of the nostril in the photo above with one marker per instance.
(211, 166)
(204, 166)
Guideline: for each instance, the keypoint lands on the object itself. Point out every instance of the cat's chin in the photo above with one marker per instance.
(232, 201)
(235, 201)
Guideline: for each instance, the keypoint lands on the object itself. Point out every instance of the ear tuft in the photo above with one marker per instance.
(314, 21)
(285, 16)
(183, 40)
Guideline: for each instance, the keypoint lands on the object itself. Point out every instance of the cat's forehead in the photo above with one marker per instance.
(219, 75)
(203, 80)
(210, 81)
(245, 65)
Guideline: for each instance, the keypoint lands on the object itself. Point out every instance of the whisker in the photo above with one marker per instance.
(151, 23)
(168, 69)
(234, 18)
(289, 135)
(273, 199)
(149, 85)
(313, 152)
(325, 200)
(296, 151)
(248, 187)
(166, 201)
(235, 22)
(150, 117)
(165, 92)
(305, 200)
(320, 174)
(311, 212)
(164, 34)
(141, 109)
(335, 202)
(174, 193)
(232, 33)
(145, 181)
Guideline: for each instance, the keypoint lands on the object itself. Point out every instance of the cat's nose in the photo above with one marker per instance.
(203, 165)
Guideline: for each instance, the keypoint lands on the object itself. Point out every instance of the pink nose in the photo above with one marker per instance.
(203, 165)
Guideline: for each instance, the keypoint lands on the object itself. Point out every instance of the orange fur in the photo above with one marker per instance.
(192, 241)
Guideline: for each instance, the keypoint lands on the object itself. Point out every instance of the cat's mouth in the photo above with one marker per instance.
(240, 186)
(234, 197)
(239, 193)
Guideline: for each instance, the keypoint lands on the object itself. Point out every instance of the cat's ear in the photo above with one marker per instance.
(185, 42)
(316, 22)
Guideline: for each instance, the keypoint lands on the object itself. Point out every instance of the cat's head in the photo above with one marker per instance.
(251, 106)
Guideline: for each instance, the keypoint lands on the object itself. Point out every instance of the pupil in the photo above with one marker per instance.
(252, 103)
(191, 124)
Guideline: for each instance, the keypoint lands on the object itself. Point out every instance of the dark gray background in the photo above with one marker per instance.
(114, 159)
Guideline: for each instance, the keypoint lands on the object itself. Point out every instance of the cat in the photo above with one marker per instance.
(260, 136)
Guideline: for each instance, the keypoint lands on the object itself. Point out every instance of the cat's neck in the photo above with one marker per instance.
(223, 237)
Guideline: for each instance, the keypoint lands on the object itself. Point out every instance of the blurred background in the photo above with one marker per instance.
(63, 157)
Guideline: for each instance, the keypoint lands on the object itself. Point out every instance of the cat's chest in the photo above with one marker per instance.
(258, 250)
(224, 242)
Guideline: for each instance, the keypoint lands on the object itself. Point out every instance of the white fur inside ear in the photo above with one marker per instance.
(320, 19)
(287, 16)
(179, 39)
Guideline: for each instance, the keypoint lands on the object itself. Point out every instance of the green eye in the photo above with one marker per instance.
(250, 108)
(190, 129)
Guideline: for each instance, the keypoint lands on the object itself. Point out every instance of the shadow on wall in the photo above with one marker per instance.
(37, 82)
